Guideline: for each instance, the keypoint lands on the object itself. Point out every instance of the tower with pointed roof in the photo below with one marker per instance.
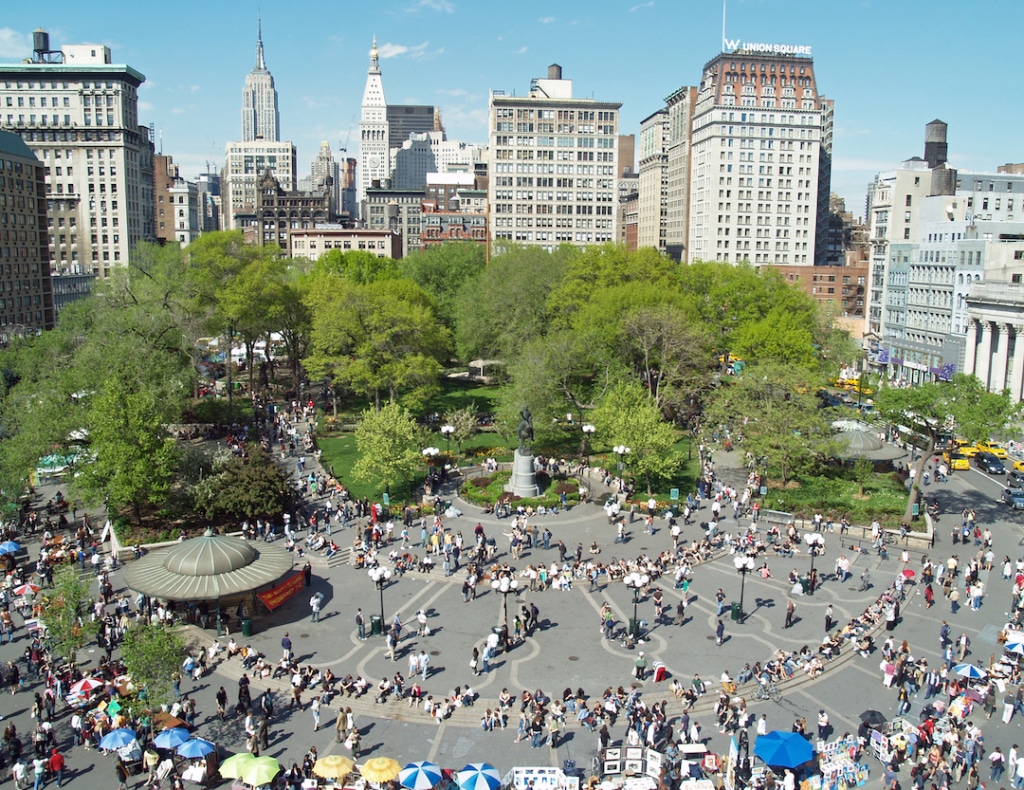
(260, 117)
(374, 129)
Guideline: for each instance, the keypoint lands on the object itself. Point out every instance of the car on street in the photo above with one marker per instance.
(1014, 498)
(956, 461)
(993, 448)
(989, 463)
(966, 448)
(1018, 466)
(1015, 479)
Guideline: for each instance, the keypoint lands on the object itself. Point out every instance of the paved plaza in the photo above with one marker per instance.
(568, 649)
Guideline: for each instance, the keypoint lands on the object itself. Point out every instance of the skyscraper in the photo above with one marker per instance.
(260, 117)
(554, 164)
(760, 159)
(374, 130)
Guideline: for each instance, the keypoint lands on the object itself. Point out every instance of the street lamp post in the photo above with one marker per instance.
(380, 576)
(506, 585)
(815, 545)
(588, 433)
(429, 453)
(744, 565)
(448, 430)
(636, 583)
(622, 451)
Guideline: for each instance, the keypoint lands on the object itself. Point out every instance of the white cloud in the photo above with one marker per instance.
(546, 20)
(195, 88)
(145, 106)
(522, 50)
(648, 4)
(438, 5)
(390, 50)
(453, 92)
(14, 44)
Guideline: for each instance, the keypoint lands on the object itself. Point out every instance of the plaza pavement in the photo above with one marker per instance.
(568, 649)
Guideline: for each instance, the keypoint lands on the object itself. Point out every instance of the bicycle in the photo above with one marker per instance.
(767, 691)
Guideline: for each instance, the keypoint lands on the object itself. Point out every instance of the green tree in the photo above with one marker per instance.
(251, 304)
(863, 471)
(381, 338)
(780, 337)
(254, 487)
(937, 406)
(66, 614)
(504, 306)
(133, 461)
(627, 416)
(388, 441)
(356, 266)
(441, 270)
(776, 410)
(153, 656)
(463, 421)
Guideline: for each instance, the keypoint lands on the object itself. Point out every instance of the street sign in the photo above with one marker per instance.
(673, 494)
(387, 498)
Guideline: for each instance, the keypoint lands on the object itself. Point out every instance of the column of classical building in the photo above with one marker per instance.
(1017, 372)
(983, 363)
(971, 347)
(1000, 358)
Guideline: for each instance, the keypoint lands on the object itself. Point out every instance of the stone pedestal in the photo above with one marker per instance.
(524, 478)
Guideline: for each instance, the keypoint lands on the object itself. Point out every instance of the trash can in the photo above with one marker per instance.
(376, 626)
(734, 611)
(634, 627)
(805, 584)
(246, 626)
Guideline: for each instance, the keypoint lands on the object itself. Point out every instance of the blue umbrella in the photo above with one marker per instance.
(969, 671)
(479, 776)
(117, 739)
(9, 547)
(195, 747)
(168, 739)
(420, 776)
(783, 749)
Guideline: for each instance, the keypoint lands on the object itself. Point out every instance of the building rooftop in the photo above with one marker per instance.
(13, 145)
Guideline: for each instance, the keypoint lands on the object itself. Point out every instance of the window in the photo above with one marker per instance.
(909, 198)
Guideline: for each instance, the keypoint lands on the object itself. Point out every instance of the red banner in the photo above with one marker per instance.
(278, 595)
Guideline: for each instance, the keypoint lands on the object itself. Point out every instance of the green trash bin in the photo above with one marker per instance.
(376, 626)
(246, 626)
(805, 583)
(734, 612)
(634, 627)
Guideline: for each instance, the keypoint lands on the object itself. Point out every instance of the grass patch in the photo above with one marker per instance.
(885, 498)
(456, 394)
(339, 453)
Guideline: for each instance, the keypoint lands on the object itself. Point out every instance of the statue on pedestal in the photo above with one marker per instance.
(525, 430)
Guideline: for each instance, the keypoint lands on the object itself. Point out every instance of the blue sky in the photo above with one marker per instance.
(891, 66)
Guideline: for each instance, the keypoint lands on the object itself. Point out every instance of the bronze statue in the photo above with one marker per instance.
(525, 430)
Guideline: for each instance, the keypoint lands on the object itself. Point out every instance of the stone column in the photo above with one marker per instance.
(983, 364)
(1017, 371)
(971, 347)
(1000, 359)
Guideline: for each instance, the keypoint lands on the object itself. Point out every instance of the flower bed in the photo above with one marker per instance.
(486, 490)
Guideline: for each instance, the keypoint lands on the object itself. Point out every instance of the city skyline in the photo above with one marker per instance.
(877, 62)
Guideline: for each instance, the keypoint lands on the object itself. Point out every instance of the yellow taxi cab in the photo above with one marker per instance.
(956, 461)
(965, 448)
(1018, 466)
(994, 448)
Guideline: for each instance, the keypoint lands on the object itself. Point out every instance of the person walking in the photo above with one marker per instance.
(340, 726)
(790, 609)
(56, 766)
(314, 708)
(360, 624)
(828, 618)
(314, 605)
(720, 632)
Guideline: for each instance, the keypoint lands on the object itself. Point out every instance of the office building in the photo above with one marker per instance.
(652, 214)
(554, 162)
(78, 112)
(397, 210)
(313, 242)
(760, 158)
(246, 163)
(680, 104)
(405, 120)
(177, 203)
(279, 211)
(325, 176)
(26, 295)
(454, 209)
(260, 117)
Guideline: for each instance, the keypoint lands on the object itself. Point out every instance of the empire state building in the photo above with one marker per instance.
(260, 117)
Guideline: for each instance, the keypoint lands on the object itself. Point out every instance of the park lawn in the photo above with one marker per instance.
(885, 498)
(456, 394)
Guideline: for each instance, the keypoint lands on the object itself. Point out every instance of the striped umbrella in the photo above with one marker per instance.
(479, 776)
(420, 776)
(970, 671)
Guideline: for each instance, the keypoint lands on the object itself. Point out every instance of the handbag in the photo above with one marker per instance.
(472, 663)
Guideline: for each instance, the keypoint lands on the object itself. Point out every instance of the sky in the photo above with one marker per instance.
(890, 65)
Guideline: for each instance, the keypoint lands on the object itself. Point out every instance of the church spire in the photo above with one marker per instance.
(260, 64)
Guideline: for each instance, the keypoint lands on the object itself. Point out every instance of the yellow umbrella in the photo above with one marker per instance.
(334, 766)
(380, 769)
